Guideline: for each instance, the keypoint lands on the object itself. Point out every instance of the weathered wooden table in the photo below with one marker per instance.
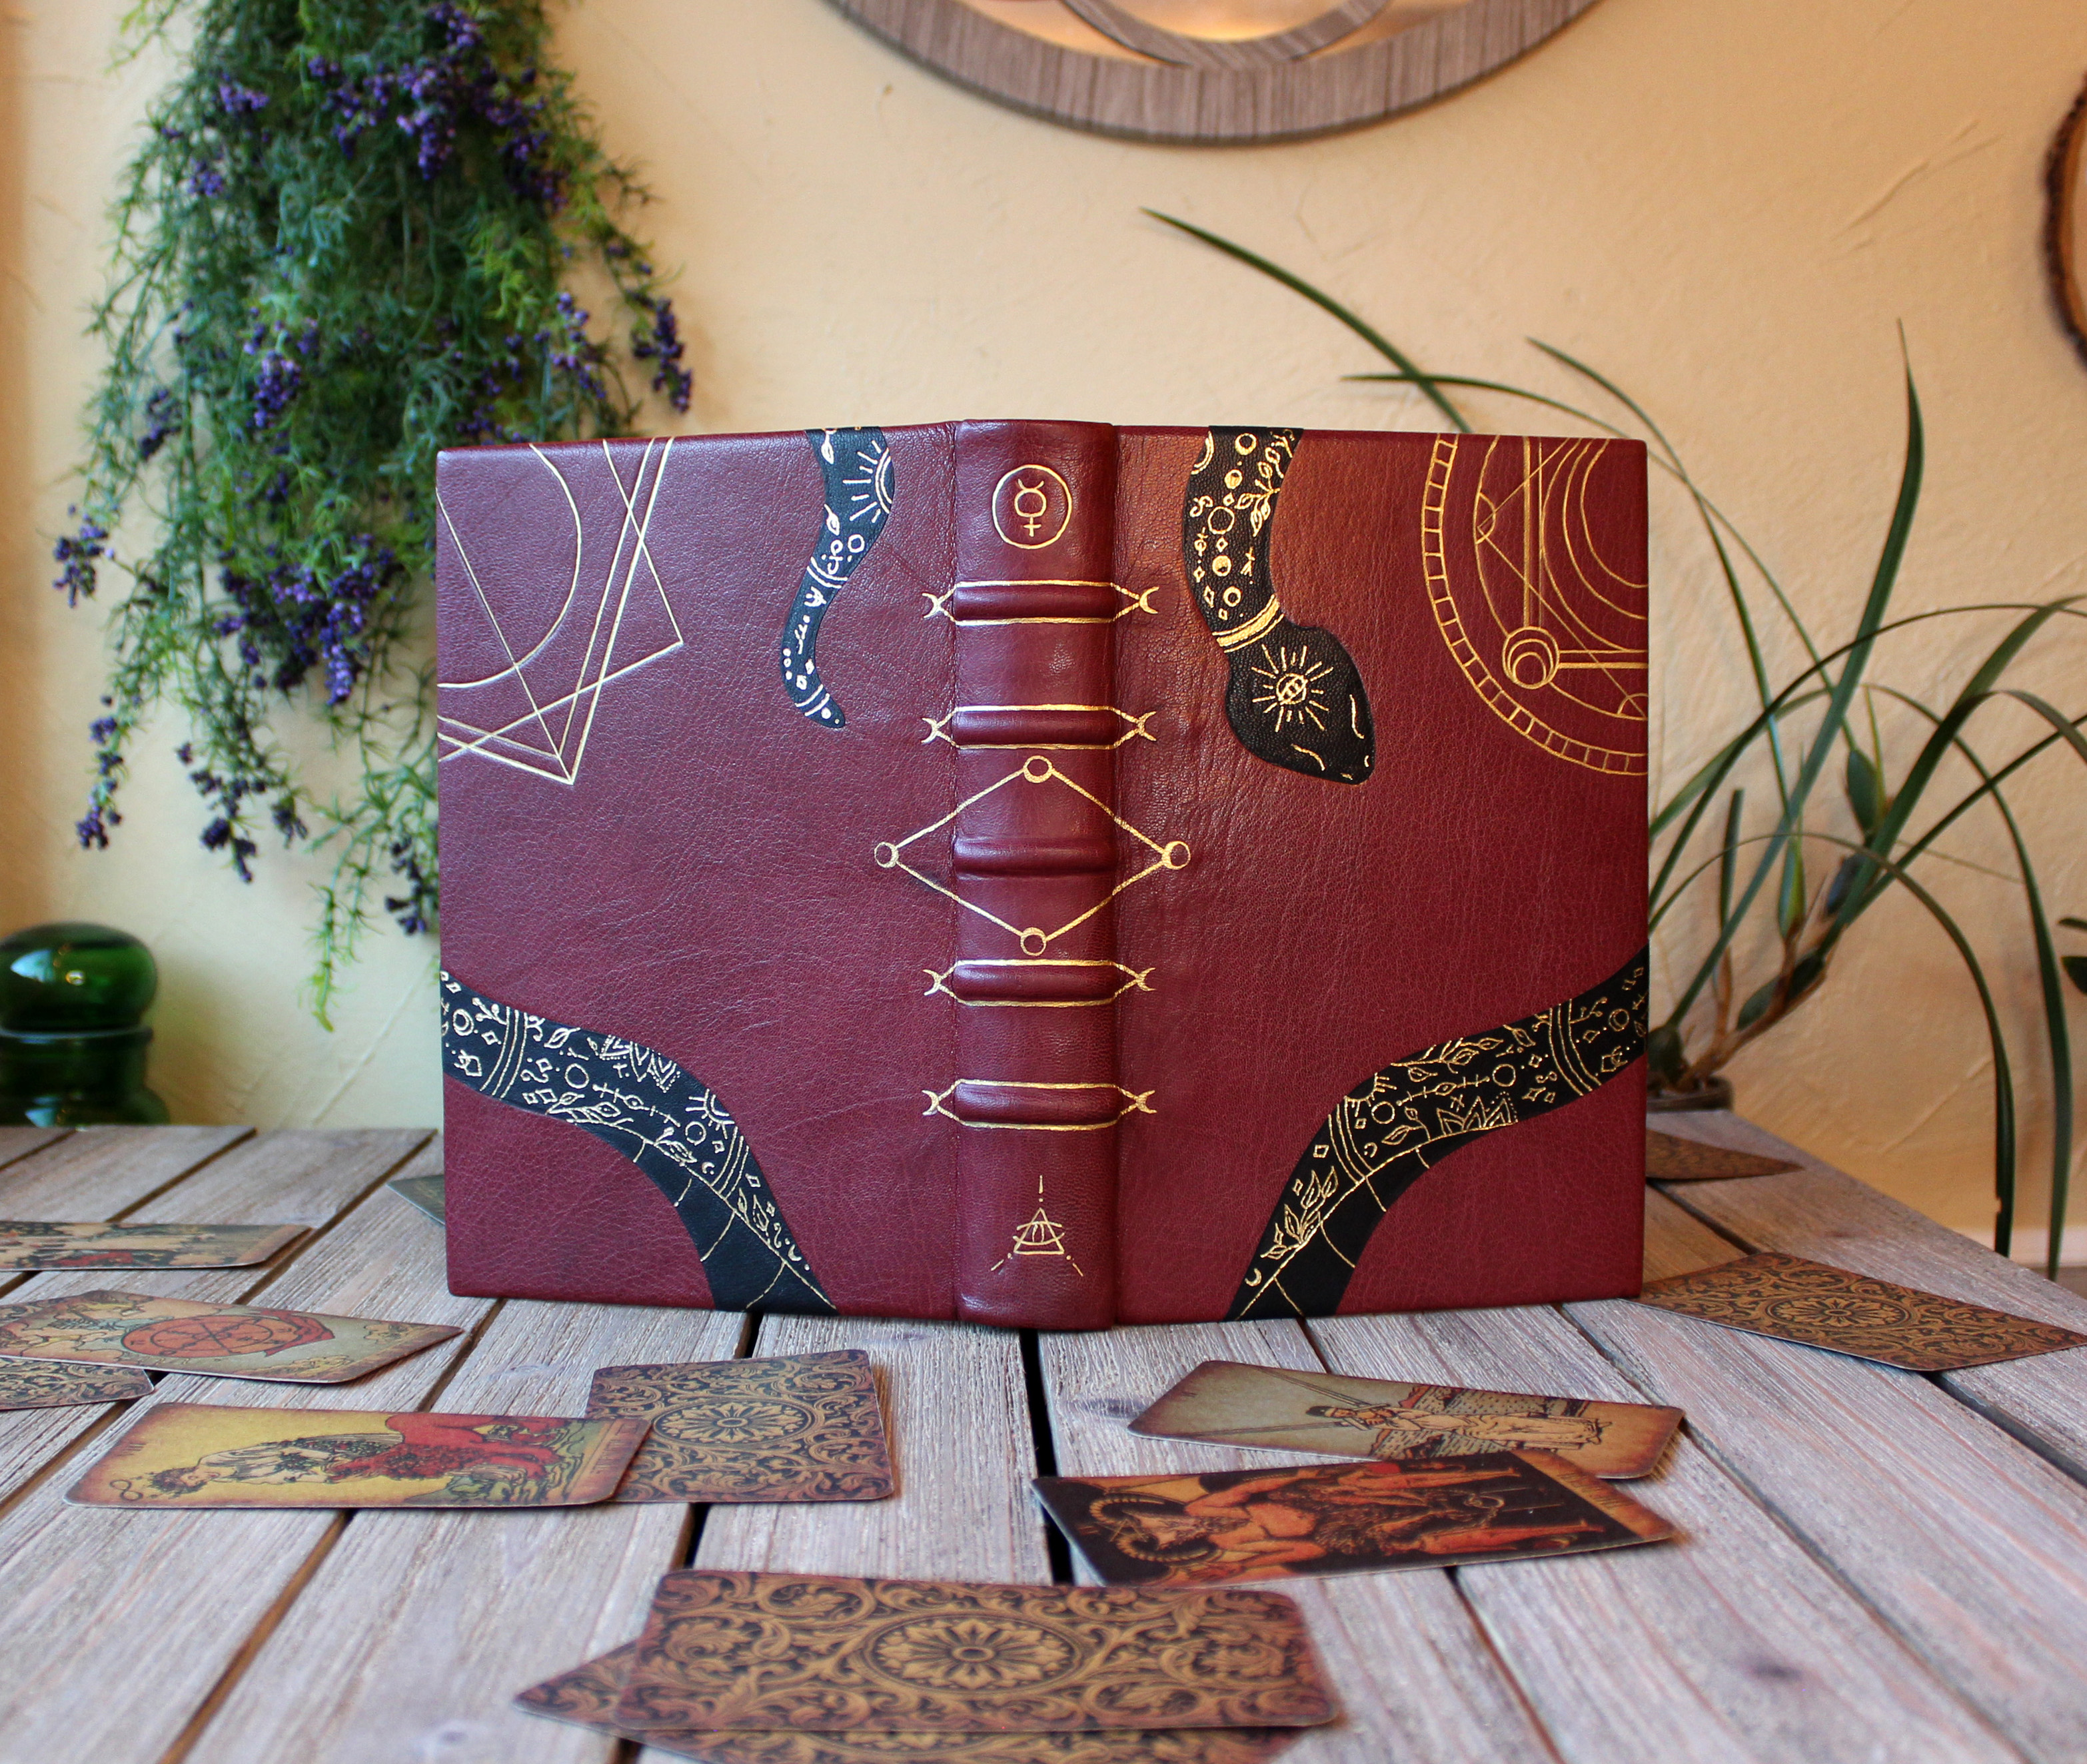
(1875, 1564)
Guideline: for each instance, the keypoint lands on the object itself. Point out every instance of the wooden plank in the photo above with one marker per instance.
(417, 1629)
(957, 1411)
(1818, 1211)
(1729, 1644)
(1416, 1678)
(18, 1142)
(956, 1408)
(119, 1625)
(306, 1177)
(1968, 1544)
(102, 1173)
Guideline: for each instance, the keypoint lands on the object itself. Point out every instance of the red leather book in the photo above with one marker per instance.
(1045, 874)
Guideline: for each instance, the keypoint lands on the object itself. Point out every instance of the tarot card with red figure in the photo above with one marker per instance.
(1229, 1525)
(1279, 1408)
(1795, 1300)
(45, 1244)
(225, 1341)
(586, 1695)
(191, 1454)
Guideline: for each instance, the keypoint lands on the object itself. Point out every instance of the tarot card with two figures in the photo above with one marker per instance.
(1316, 1519)
(1281, 1409)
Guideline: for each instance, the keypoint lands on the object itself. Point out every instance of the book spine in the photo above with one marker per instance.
(1034, 867)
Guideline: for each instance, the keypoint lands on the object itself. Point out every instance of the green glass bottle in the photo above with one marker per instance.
(72, 1047)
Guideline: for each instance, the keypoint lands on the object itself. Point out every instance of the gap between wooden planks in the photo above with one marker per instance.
(1819, 1212)
(1713, 1647)
(128, 1172)
(117, 1624)
(1970, 1547)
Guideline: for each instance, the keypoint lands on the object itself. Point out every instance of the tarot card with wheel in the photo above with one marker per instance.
(1279, 1408)
(225, 1341)
(46, 1244)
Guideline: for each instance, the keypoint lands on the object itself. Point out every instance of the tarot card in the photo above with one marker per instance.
(1795, 1300)
(585, 1696)
(31, 1384)
(35, 1243)
(1323, 1518)
(224, 1341)
(1670, 1158)
(807, 1427)
(191, 1454)
(816, 1652)
(1274, 1408)
(424, 1192)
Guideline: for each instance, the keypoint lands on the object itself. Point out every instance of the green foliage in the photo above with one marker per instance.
(341, 248)
(1792, 739)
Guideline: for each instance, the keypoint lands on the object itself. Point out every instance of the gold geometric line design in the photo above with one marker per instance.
(1614, 762)
(1134, 1102)
(938, 729)
(1136, 599)
(1033, 940)
(1134, 980)
(1041, 1235)
(560, 755)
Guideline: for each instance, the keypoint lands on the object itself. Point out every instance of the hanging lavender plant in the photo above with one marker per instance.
(341, 247)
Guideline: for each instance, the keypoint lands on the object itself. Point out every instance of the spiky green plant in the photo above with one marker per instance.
(1763, 863)
(342, 245)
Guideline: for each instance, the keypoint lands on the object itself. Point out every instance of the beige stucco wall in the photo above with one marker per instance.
(1730, 208)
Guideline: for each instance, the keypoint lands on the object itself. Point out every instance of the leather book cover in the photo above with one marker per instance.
(1044, 874)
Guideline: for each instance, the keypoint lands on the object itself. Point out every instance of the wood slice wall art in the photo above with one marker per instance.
(2065, 222)
(1213, 71)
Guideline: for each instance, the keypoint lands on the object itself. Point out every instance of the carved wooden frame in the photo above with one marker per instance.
(1280, 99)
(2062, 174)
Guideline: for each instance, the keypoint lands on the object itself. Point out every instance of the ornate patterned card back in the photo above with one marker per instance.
(843, 1655)
(585, 1696)
(1795, 1300)
(805, 1428)
(31, 1384)
(1670, 1158)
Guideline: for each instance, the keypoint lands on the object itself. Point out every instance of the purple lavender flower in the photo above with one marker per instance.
(77, 551)
(207, 179)
(93, 826)
(236, 100)
(161, 420)
(278, 382)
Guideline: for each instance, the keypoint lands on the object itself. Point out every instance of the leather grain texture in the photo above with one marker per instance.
(645, 837)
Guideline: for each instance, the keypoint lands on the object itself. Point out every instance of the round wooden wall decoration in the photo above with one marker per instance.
(2065, 222)
(1213, 71)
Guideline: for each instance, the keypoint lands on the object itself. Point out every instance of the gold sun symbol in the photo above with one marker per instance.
(1287, 686)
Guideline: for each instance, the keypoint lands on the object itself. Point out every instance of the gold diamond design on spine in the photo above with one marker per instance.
(1037, 769)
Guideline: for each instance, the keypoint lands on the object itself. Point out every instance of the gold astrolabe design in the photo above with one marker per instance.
(1535, 594)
